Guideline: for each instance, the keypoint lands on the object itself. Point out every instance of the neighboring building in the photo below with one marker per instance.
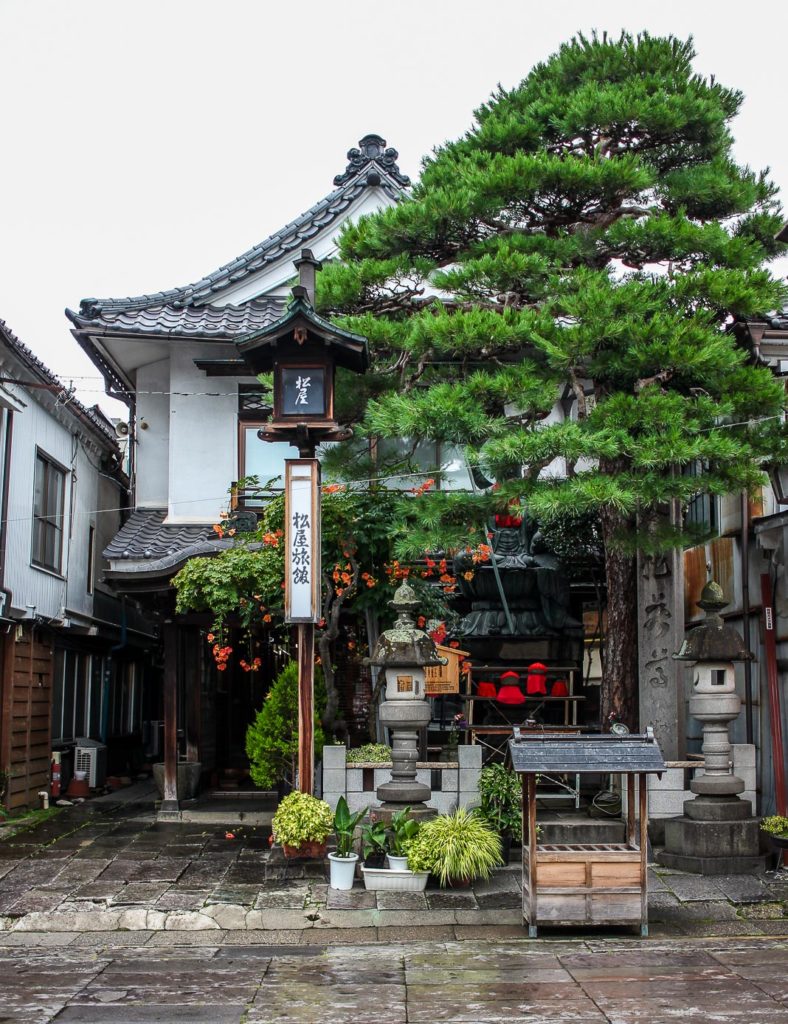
(70, 660)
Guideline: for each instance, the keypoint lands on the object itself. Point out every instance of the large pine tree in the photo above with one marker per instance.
(590, 233)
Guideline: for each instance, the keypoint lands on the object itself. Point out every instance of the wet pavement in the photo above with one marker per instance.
(109, 867)
(591, 981)
(106, 915)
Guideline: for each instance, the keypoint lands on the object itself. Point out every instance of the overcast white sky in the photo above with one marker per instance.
(146, 142)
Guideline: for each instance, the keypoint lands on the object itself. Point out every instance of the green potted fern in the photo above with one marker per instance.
(457, 848)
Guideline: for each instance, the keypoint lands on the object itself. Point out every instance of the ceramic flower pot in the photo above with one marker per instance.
(343, 870)
(397, 863)
(311, 850)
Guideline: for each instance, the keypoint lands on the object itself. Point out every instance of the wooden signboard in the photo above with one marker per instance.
(302, 540)
(440, 679)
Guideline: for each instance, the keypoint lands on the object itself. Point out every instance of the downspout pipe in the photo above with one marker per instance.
(745, 610)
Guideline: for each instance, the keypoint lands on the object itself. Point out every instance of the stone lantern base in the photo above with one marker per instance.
(717, 835)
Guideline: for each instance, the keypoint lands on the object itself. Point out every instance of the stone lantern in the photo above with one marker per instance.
(717, 833)
(402, 653)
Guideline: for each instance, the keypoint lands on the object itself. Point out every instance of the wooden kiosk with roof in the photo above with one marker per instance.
(586, 883)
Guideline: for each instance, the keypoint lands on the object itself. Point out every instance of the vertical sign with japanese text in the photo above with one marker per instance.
(302, 540)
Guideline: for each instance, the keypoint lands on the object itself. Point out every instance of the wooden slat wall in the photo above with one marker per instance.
(25, 738)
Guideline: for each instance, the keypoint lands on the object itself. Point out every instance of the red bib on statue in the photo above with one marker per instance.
(536, 683)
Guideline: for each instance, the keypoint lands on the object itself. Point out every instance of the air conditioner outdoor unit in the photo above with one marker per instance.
(91, 756)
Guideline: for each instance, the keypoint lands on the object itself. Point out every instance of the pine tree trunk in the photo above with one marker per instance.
(619, 691)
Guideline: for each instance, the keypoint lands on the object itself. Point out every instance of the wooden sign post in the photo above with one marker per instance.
(302, 596)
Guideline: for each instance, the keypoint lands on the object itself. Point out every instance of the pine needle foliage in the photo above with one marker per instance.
(590, 239)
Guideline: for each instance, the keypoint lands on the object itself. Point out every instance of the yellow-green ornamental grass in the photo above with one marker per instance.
(457, 847)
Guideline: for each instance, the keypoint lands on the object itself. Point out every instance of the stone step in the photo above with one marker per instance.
(580, 829)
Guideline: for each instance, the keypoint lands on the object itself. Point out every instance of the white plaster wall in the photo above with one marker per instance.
(273, 280)
(203, 453)
(152, 444)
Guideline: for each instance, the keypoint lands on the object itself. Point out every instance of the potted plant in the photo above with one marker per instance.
(374, 843)
(343, 861)
(457, 848)
(775, 828)
(403, 831)
(302, 824)
(501, 796)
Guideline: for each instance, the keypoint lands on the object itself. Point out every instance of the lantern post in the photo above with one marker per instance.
(303, 351)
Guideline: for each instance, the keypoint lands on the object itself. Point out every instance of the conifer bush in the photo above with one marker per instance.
(592, 237)
(272, 738)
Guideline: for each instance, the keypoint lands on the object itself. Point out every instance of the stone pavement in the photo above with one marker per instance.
(592, 981)
(108, 868)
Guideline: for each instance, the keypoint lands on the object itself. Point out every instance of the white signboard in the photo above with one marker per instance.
(302, 540)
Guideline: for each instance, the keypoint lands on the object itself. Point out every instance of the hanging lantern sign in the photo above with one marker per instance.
(302, 540)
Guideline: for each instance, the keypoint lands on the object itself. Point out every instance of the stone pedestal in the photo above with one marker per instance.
(715, 836)
(404, 718)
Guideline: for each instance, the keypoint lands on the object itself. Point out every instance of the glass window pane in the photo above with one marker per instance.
(68, 695)
(414, 463)
(38, 487)
(57, 695)
(266, 459)
(96, 681)
(81, 695)
(54, 494)
(454, 470)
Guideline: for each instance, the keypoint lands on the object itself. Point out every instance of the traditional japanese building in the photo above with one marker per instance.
(195, 410)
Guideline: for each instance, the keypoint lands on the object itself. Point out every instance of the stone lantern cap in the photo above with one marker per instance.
(405, 644)
(713, 639)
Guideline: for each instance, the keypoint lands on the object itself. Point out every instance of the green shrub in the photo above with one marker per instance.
(377, 753)
(456, 847)
(501, 796)
(301, 818)
(272, 738)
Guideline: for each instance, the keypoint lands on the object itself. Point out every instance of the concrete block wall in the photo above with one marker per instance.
(459, 782)
(666, 796)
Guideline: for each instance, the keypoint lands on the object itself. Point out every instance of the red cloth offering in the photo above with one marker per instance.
(560, 689)
(537, 679)
(487, 690)
(510, 692)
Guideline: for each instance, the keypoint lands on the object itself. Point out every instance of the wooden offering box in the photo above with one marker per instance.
(586, 883)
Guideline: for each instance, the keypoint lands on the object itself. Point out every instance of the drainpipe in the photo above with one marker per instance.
(745, 608)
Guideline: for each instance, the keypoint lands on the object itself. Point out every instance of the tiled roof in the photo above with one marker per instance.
(170, 320)
(145, 536)
(371, 165)
(91, 415)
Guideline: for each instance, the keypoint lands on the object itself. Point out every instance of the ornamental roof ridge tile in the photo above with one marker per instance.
(371, 165)
(93, 414)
